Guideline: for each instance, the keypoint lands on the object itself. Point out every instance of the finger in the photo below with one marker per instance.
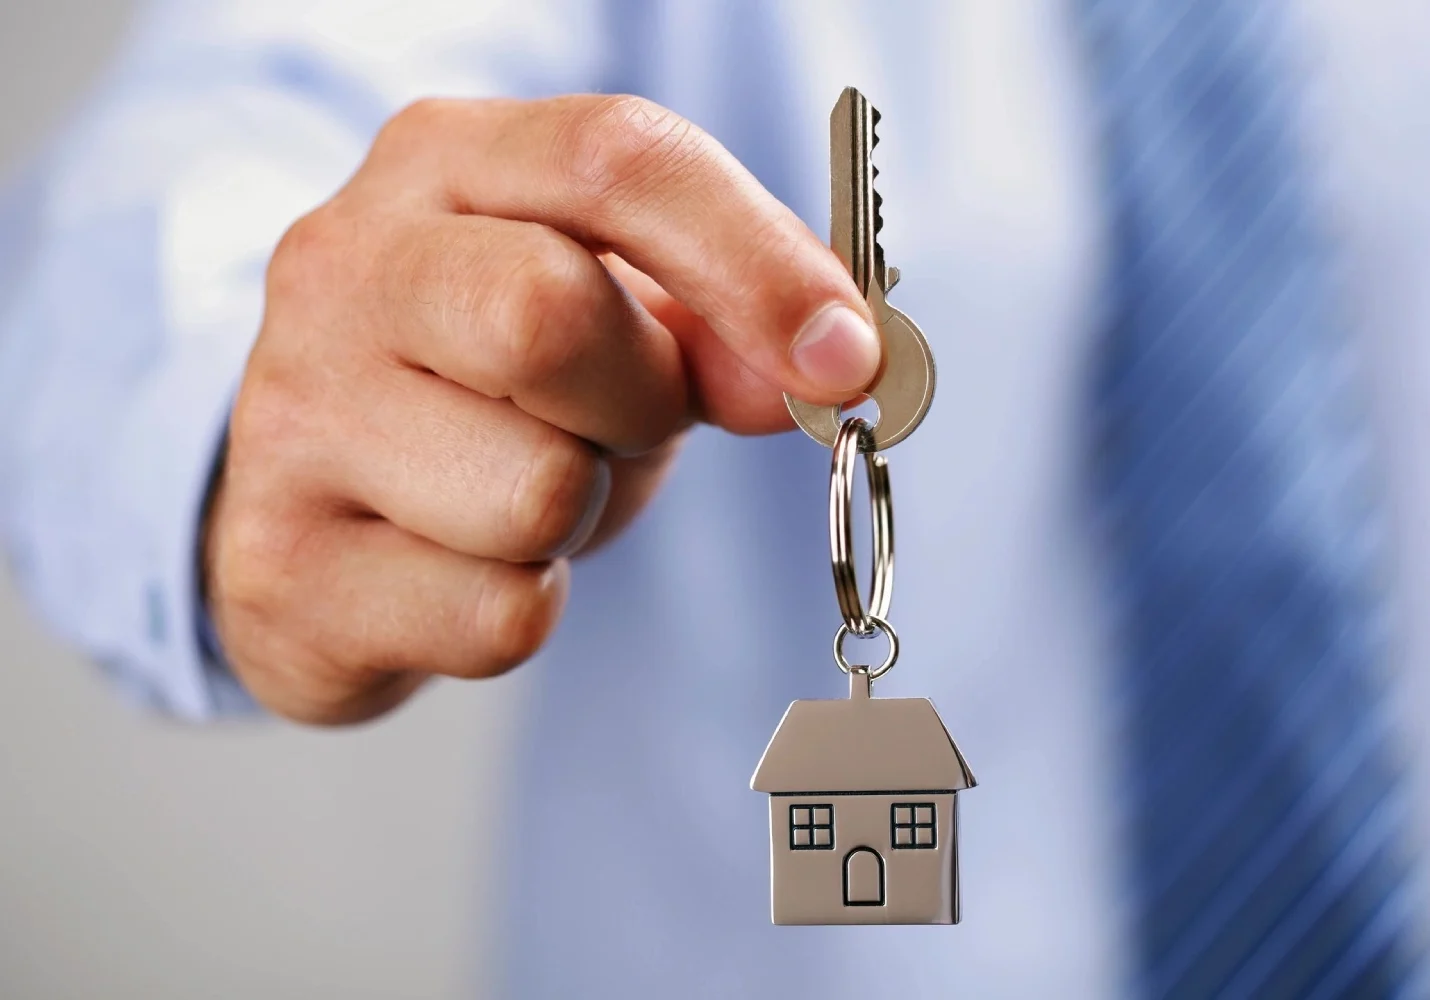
(515, 310)
(625, 174)
(724, 390)
(475, 475)
(385, 600)
(634, 482)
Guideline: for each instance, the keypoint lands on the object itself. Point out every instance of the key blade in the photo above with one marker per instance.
(851, 207)
(886, 276)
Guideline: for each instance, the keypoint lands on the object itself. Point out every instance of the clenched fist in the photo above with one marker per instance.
(477, 360)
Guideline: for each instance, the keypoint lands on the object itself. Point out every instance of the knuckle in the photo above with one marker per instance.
(552, 497)
(307, 259)
(413, 124)
(620, 143)
(548, 296)
(257, 538)
(252, 555)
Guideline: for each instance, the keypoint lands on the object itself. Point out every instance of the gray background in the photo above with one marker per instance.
(148, 860)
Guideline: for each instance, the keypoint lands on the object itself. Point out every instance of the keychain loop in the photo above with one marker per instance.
(875, 622)
(853, 438)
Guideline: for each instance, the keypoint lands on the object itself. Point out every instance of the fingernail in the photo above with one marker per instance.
(591, 519)
(837, 350)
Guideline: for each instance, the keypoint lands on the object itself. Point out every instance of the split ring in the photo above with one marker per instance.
(875, 622)
(853, 437)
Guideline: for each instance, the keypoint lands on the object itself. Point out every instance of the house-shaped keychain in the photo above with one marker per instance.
(863, 811)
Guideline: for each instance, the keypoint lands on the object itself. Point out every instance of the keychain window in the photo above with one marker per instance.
(811, 828)
(915, 826)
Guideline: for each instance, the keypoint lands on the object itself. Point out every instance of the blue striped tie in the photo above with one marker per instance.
(1266, 804)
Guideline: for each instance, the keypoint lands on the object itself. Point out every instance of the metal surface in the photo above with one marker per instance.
(863, 811)
(904, 387)
(864, 792)
(853, 437)
(892, 657)
(854, 219)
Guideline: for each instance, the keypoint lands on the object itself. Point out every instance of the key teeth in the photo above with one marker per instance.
(888, 276)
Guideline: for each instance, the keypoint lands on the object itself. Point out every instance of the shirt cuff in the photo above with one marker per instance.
(164, 465)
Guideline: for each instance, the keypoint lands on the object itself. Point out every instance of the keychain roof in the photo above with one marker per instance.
(861, 744)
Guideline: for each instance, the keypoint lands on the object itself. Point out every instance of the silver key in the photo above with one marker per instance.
(904, 387)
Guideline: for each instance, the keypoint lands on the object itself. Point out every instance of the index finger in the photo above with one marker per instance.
(624, 174)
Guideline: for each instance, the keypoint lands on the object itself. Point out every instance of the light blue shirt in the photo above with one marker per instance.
(636, 861)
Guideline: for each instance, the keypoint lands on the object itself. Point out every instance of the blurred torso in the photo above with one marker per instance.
(643, 860)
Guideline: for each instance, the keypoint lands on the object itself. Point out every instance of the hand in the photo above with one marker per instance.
(476, 361)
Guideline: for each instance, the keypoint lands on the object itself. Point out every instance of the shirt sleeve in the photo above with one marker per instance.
(132, 258)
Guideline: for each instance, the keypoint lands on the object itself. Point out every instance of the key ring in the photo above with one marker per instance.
(853, 437)
(875, 622)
